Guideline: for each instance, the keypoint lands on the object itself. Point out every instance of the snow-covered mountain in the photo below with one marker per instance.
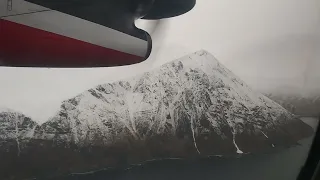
(15, 128)
(194, 99)
(193, 106)
(15, 125)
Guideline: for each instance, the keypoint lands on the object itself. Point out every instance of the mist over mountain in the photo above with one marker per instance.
(190, 107)
(299, 104)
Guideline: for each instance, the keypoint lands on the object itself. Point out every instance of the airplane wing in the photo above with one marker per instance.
(116, 14)
(74, 33)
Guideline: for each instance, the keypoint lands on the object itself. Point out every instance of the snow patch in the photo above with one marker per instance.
(264, 134)
(193, 136)
(31, 132)
(194, 141)
(235, 144)
(17, 136)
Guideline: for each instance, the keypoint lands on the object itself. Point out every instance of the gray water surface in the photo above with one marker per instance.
(283, 165)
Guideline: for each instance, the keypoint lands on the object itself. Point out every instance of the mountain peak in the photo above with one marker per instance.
(196, 88)
(190, 107)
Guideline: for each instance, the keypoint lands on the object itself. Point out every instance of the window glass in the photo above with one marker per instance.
(231, 90)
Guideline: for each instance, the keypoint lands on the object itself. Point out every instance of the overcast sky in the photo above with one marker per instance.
(266, 43)
(258, 40)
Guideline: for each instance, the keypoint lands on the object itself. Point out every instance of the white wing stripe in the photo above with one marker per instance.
(73, 27)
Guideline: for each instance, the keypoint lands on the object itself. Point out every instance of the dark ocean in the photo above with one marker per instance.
(281, 165)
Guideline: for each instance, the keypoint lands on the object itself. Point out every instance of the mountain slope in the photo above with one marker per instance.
(191, 107)
(15, 130)
(194, 100)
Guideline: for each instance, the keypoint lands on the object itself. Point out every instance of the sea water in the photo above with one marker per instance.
(282, 165)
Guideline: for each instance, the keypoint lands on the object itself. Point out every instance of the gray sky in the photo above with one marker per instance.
(266, 43)
(259, 40)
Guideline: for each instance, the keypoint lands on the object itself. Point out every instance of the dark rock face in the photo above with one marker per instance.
(191, 107)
